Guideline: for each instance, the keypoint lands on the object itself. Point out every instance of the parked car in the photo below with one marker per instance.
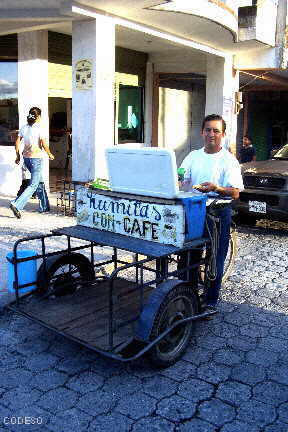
(265, 194)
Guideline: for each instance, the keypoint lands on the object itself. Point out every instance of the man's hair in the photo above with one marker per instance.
(35, 111)
(248, 137)
(217, 117)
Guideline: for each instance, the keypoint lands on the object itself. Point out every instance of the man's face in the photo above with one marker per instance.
(246, 142)
(212, 135)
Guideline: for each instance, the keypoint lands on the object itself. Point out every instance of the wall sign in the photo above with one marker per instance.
(83, 74)
(161, 223)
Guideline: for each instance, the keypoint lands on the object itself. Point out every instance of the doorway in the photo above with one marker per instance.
(60, 141)
(181, 108)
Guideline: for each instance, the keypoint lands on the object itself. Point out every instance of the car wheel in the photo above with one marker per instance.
(243, 219)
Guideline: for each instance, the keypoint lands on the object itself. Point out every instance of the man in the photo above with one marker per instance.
(214, 170)
(247, 152)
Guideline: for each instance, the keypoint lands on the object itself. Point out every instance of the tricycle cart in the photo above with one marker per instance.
(119, 296)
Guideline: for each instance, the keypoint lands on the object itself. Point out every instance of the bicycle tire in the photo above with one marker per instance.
(231, 255)
(229, 261)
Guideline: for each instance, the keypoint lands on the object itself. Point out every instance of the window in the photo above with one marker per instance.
(130, 115)
(8, 102)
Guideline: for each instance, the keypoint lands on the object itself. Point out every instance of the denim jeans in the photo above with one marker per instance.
(34, 165)
(44, 205)
(213, 290)
(213, 287)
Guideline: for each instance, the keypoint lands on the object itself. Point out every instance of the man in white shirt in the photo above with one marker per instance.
(214, 170)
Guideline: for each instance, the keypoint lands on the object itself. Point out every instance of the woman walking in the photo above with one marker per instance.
(34, 144)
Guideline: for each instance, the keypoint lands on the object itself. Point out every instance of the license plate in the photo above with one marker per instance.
(257, 207)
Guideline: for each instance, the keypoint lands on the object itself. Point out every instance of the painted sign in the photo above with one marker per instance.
(161, 223)
(83, 74)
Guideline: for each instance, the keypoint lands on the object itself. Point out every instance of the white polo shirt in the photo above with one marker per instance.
(220, 168)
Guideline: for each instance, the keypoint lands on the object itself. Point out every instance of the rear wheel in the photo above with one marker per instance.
(179, 303)
(64, 274)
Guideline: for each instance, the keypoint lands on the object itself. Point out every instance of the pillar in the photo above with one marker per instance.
(33, 81)
(93, 42)
(222, 83)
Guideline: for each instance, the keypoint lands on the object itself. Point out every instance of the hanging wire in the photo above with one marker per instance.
(252, 80)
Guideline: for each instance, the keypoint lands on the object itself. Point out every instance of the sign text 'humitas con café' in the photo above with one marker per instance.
(163, 223)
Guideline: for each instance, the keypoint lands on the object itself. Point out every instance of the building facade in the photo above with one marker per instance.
(147, 72)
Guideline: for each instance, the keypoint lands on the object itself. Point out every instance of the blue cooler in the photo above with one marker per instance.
(195, 215)
(27, 270)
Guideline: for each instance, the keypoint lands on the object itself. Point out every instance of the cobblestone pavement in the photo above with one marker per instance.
(233, 377)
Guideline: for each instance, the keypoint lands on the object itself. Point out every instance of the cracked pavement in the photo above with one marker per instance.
(233, 377)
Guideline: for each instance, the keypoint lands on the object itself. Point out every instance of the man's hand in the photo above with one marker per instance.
(17, 160)
(51, 156)
(207, 187)
(223, 191)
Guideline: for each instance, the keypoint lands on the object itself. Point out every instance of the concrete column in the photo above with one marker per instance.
(222, 83)
(214, 85)
(148, 104)
(93, 108)
(33, 80)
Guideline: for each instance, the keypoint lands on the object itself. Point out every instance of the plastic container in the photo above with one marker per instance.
(181, 173)
(195, 214)
(148, 171)
(27, 271)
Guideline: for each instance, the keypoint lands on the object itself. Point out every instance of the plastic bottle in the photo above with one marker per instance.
(181, 172)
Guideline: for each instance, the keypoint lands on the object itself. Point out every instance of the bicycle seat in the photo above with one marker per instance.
(216, 203)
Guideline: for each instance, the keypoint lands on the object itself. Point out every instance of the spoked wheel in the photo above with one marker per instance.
(179, 303)
(64, 274)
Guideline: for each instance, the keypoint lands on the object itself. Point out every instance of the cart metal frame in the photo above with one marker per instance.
(157, 263)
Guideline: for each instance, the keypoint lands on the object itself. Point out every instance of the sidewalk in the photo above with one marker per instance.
(31, 223)
(233, 377)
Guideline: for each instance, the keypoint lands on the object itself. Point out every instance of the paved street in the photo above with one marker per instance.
(233, 377)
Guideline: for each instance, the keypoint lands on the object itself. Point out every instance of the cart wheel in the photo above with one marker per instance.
(180, 303)
(64, 274)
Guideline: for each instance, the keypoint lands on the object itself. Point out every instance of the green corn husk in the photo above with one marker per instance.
(100, 184)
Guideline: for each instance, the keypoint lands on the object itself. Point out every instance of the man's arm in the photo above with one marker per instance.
(224, 191)
(17, 148)
(46, 148)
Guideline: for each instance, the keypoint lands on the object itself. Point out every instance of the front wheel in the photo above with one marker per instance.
(229, 260)
(231, 255)
(178, 304)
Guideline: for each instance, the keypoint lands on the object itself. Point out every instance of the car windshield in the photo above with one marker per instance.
(282, 153)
